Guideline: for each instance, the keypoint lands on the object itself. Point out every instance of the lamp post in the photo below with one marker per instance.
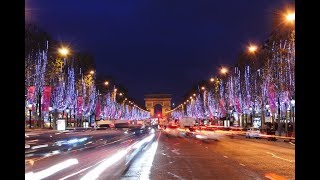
(230, 115)
(50, 109)
(67, 111)
(293, 116)
(224, 72)
(30, 110)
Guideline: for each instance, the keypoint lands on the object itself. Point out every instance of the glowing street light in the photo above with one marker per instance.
(91, 72)
(211, 79)
(224, 70)
(106, 83)
(194, 95)
(203, 88)
(63, 51)
(290, 17)
(252, 48)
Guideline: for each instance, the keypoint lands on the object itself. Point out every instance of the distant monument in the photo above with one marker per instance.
(153, 99)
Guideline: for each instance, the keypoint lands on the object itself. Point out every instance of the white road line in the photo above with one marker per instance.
(75, 173)
(33, 140)
(175, 175)
(242, 164)
(269, 177)
(275, 156)
(176, 151)
(292, 143)
(39, 146)
(225, 156)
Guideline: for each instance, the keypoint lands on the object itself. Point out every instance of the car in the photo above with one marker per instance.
(253, 133)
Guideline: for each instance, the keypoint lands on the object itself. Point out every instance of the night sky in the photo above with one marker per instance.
(157, 46)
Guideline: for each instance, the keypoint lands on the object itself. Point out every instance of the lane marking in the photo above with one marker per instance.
(176, 176)
(225, 156)
(292, 143)
(39, 146)
(242, 164)
(275, 156)
(75, 173)
(176, 151)
(274, 176)
(33, 140)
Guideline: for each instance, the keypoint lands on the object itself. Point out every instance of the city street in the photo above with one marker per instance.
(226, 158)
(161, 155)
(160, 90)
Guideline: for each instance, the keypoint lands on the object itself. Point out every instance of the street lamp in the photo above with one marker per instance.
(224, 70)
(293, 115)
(67, 111)
(63, 51)
(252, 48)
(50, 109)
(30, 109)
(212, 79)
(290, 17)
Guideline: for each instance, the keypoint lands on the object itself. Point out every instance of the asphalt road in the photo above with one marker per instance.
(229, 157)
(164, 155)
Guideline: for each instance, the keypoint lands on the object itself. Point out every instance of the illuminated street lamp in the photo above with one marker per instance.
(212, 79)
(224, 70)
(30, 109)
(63, 51)
(67, 111)
(106, 83)
(252, 48)
(203, 88)
(91, 72)
(290, 17)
